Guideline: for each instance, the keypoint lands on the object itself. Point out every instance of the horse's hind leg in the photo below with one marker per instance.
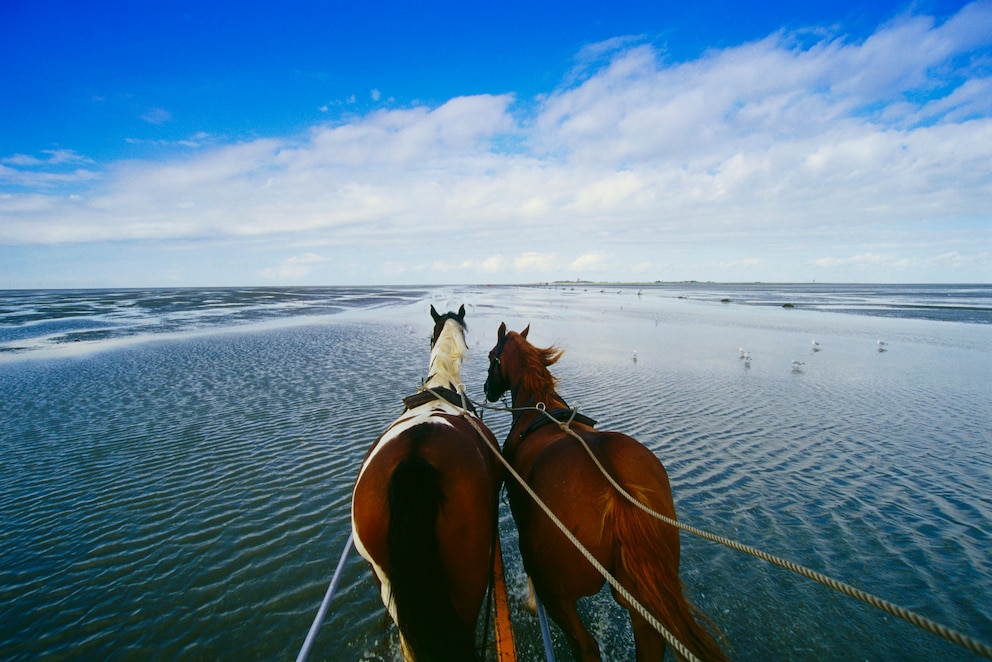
(648, 642)
(566, 615)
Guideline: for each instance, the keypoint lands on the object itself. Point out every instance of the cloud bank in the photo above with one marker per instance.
(794, 157)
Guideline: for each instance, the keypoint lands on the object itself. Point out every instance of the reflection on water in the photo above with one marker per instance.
(190, 498)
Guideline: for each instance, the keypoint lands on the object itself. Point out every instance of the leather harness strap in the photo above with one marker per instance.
(560, 415)
(450, 395)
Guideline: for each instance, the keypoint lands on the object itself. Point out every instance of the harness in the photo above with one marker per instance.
(561, 415)
(449, 395)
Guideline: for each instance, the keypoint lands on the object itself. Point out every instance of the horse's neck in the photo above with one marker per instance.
(445, 379)
(446, 361)
(528, 402)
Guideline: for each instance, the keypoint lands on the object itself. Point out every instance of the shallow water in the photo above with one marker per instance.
(186, 494)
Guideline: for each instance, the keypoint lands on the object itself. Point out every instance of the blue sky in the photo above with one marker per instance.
(169, 144)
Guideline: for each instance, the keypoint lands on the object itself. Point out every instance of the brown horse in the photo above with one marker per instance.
(641, 551)
(424, 509)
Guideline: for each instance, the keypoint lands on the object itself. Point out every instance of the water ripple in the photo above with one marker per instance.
(190, 499)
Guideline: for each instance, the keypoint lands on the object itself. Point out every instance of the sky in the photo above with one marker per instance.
(167, 144)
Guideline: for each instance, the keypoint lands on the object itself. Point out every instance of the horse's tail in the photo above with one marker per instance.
(424, 612)
(649, 558)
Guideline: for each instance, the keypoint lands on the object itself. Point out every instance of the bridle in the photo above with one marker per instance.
(496, 371)
(441, 320)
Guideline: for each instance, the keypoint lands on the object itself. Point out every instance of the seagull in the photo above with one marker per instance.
(635, 356)
(743, 353)
(882, 342)
(747, 359)
(797, 366)
(881, 346)
(816, 346)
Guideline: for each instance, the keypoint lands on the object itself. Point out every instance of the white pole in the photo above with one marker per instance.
(322, 612)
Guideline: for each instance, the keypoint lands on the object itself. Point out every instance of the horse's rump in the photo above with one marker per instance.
(645, 569)
(425, 613)
(425, 506)
(647, 562)
(567, 480)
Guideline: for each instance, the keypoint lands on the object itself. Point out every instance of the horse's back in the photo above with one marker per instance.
(467, 481)
(566, 478)
(467, 474)
(564, 466)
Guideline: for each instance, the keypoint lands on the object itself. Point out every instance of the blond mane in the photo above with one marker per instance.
(446, 356)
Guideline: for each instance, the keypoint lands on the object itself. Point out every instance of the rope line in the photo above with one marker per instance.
(920, 621)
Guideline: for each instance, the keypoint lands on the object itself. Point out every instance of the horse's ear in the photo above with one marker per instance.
(502, 332)
(437, 318)
(525, 331)
(461, 312)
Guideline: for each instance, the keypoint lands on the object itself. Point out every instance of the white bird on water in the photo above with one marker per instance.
(797, 366)
(881, 346)
(816, 345)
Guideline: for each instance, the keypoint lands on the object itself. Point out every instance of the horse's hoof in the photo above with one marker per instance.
(532, 603)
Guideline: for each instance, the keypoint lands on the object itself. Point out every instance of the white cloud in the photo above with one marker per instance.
(535, 262)
(589, 262)
(33, 179)
(156, 116)
(52, 157)
(745, 263)
(493, 264)
(294, 268)
(870, 260)
(767, 155)
(956, 260)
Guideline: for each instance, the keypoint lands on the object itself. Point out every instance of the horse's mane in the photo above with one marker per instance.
(536, 360)
(447, 354)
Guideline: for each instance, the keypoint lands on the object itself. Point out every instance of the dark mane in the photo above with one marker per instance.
(451, 316)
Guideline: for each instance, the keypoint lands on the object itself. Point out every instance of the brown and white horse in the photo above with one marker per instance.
(639, 550)
(424, 509)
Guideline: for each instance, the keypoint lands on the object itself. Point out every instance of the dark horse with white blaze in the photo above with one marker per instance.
(638, 549)
(424, 509)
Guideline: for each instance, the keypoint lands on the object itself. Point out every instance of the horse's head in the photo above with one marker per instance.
(515, 363)
(441, 320)
(497, 382)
